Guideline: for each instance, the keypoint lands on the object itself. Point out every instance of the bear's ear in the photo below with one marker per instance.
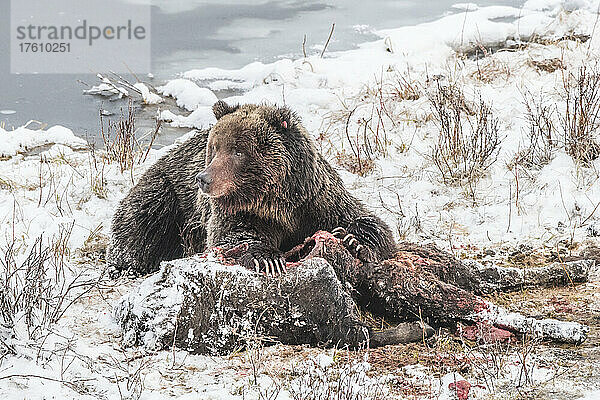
(280, 117)
(220, 109)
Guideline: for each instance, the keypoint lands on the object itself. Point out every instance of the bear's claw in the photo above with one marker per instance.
(339, 232)
(349, 241)
(271, 267)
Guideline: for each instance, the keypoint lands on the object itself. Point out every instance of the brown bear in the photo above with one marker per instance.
(263, 188)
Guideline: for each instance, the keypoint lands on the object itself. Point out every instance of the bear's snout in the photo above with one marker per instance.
(203, 179)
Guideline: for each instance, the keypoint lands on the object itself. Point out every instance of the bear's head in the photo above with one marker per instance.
(255, 154)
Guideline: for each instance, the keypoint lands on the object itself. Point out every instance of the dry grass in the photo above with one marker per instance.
(580, 120)
(354, 163)
(94, 247)
(120, 143)
(548, 65)
(491, 69)
(8, 184)
(365, 120)
(38, 287)
(403, 87)
(339, 380)
(119, 138)
(468, 142)
(255, 358)
(97, 179)
(542, 134)
(369, 139)
(129, 373)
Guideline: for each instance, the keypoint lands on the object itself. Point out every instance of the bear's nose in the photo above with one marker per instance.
(203, 180)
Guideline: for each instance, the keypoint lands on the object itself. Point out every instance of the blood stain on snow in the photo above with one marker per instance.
(487, 333)
(461, 388)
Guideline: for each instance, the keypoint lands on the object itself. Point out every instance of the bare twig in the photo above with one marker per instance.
(328, 39)
(304, 46)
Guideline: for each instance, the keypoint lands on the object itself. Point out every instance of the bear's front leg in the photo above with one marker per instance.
(253, 243)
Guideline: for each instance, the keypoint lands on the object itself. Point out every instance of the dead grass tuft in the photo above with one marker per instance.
(490, 70)
(367, 119)
(341, 379)
(354, 164)
(36, 287)
(404, 88)
(580, 121)
(94, 247)
(542, 135)
(120, 142)
(548, 65)
(468, 143)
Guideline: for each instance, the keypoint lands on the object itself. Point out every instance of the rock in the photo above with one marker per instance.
(204, 306)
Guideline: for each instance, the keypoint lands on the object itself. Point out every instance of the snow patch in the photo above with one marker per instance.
(188, 94)
(22, 140)
(147, 96)
(201, 118)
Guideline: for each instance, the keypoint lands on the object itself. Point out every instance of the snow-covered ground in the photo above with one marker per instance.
(52, 186)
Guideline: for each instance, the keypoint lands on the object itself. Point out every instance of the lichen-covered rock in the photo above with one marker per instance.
(204, 306)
